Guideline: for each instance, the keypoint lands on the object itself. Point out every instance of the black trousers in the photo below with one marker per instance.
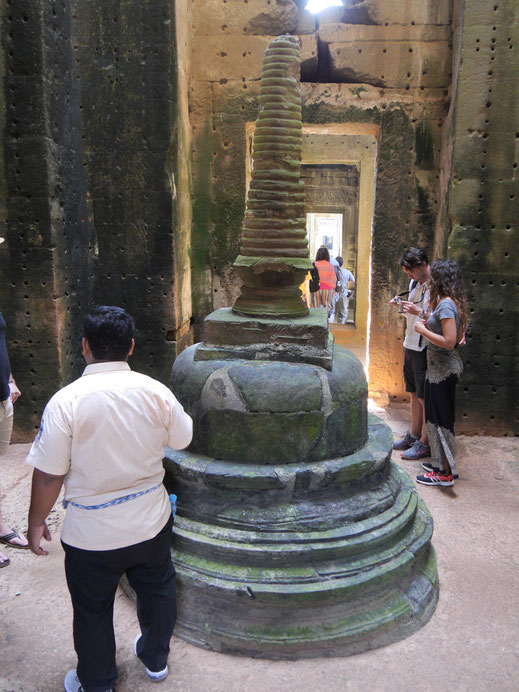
(92, 578)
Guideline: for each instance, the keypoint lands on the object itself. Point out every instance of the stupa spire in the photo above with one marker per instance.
(274, 257)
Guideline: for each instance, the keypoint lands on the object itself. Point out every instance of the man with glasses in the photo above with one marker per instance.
(414, 263)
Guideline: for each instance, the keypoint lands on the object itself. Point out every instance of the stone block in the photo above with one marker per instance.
(402, 11)
(260, 437)
(309, 54)
(485, 14)
(200, 100)
(354, 33)
(25, 96)
(224, 327)
(347, 103)
(228, 336)
(277, 388)
(216, 58)
(464, 200)
(236, 17)
(392, 64)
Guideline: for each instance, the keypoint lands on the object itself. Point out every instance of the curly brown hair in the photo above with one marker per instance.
(446, 282)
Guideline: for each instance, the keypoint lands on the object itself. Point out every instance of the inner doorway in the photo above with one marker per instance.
(336, 147)
(324, 229)
(328, 230)
(332, 196)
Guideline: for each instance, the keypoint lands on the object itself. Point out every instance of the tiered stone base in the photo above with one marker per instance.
(300, 560)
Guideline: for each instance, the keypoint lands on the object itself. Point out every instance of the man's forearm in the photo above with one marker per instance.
(44, 493)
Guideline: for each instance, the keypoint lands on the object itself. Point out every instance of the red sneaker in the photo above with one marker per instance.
(435, 478)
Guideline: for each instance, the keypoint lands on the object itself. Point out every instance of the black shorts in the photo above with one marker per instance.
(415, 365)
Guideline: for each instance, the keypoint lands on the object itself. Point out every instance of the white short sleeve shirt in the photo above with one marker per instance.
(106, 432)
(420, 296)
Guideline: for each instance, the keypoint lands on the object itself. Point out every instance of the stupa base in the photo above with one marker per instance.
(328, 558)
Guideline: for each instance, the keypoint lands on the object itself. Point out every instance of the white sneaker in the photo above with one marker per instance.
(154, 676)
(72, 683)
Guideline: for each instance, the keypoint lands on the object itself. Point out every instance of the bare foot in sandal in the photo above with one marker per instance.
(12, 538)
(4, 560)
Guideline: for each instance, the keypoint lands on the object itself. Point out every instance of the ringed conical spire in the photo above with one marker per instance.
(274, 256)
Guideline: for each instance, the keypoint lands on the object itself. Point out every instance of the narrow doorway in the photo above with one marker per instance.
(328, 230)
(332, 195)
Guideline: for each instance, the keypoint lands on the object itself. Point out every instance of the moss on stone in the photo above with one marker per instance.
(424, 145)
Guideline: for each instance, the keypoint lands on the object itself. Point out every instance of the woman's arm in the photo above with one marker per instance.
(447, 339)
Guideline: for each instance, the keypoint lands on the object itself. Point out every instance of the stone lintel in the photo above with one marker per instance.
(228, 336)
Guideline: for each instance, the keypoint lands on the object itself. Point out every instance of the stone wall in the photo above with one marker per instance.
(124, 156)
(391, 70)
(91, 154)
(483, 211)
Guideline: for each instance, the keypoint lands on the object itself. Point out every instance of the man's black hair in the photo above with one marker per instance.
(109, 332)
(413, 257)
(339, 260)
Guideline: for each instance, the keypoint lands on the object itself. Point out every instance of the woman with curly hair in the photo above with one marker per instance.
(443, 330)
(327, 279)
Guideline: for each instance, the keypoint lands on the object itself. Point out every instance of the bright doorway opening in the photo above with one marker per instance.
(324, 229)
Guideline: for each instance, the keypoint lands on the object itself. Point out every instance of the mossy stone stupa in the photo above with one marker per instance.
(295, 535)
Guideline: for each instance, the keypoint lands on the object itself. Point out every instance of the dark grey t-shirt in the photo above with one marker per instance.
(444, 310)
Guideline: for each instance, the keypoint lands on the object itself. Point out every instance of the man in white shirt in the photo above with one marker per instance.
(414, 263)
(103, 437)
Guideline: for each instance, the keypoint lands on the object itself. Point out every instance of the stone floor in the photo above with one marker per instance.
(470, 643)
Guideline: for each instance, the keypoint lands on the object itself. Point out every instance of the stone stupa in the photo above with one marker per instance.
(295, 535)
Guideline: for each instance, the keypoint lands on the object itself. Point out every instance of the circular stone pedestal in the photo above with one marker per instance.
(283, 549)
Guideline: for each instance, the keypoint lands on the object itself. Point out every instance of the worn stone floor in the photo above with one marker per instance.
(471, 643)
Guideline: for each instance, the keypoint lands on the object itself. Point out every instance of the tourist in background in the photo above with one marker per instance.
(342, 293)
(9, 392)
(443, 330)
(415, 264)
(327, 279)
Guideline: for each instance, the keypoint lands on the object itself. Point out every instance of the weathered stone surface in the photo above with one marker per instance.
(364, 102)
(392, 64)
(276, 388)
(326, 567)
(306, 23)
(253, 17)
(309, 54)
(215, 57)
(261, 437)
(272, 412)
(224, 327)
(348, 33)
(421, 11)
(279, 18)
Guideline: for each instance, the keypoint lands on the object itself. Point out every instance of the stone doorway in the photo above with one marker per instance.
(332, 195)
(338, 166)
